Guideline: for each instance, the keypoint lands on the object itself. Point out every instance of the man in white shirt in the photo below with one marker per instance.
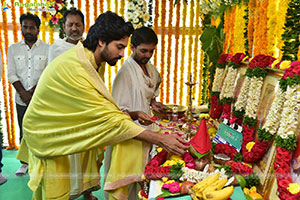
(73, 24)
(26, 61)
(2, 178)
(134, 90)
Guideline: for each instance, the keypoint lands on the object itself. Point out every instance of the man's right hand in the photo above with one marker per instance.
(26, 96)
(173, 144)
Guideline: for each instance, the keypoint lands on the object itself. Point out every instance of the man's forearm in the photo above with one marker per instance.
(19, 87)
(149, 136)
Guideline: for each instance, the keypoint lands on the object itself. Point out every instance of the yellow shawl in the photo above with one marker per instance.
(71, 111)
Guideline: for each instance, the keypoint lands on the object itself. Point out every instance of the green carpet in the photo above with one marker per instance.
(16, 186)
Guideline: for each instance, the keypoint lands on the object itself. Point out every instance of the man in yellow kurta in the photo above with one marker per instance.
(72, 111)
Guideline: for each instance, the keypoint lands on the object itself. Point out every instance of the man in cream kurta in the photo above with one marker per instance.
(134, 89)
(72, 111)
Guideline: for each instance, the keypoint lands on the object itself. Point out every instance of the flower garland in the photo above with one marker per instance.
(281, 20)
(232, 19)
(87, 15)
(156, 27)
(79, 4)
(190, 47)
(122, 5)
(137, 13)
(272, 26)
(116, 67)
(298, 55)
(226, 95)
(238, 29)
(21, 9)
(108, 5)
(250, 28)
(101, 5)
(169, 53)
(201, 77)
(177, 30)
(51, 35)
(264, 28)
(292, 31)
(215, 107)
(14, 22)
(256, 32)
(286, 139)
(162, 59)
(227, 23)
(196, 51)
(95, 5)
(183, 38)
(12, 116)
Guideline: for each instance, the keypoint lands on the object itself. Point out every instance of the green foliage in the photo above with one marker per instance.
(252, 180)
(205, 82)
(257, 72)
(264, 135)
(290, 81)
(289, 143)
(292, 31)
(227, 168)
(213, 146)
(176, 172)
(246, 17)
(249, 121)
(227, 100)
(238, 114)
(238, 157)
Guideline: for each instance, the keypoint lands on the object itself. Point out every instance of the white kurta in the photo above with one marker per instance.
(58, 47)
(132, 90)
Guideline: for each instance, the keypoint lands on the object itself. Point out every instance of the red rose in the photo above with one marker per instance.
(223, 59)
(237, 58)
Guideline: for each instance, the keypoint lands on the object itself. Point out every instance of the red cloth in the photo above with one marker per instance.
(201, 141)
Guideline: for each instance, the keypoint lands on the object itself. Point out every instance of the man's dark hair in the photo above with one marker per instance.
(31, 17)
(143, 35)
(73, 11)
(108, 27)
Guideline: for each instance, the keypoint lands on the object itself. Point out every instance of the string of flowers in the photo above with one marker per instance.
(257, 72)
(155, 28)
(162, 58)
(109, 67)
(169, 53)
(101, 5)
(79, 4)
(43, 28)
(177, 30)
(108, 5)
(264, 28)
(95, 6)
(298, 55)
(150, 11)
(238, 29)
(227, 23)
(14, 22)
(272, 26)
(281, 20)
(256, 33)
(21, 9)
(12, 116)
(286, 138)
(201, 77)
(196, 41)
(226, 95)
(51, 35)
(216, 107)
(122, 6)
(87, 16)
(184, 14)
(250, 28)
(292, 31)
(232, 19)
(190, 47)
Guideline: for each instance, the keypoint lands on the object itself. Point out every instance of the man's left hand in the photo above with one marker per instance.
(158, 107)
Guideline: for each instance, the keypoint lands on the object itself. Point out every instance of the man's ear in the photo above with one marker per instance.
(101, 43)
(132, 47)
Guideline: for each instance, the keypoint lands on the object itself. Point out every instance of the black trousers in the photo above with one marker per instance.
(21, 112)
(1, 165)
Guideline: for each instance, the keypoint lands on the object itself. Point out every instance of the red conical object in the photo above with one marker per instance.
(297, 150)
(201, 141)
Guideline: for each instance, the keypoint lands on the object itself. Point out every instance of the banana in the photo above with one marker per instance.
(201, 186)
(218, 185)
(219, 195)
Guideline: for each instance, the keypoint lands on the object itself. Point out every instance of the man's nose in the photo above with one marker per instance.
(122, 53)
(74, 28)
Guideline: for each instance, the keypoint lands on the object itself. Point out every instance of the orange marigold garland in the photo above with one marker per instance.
(190, 48)
(176, 50)
(182, 51)
(256, 33)
(79, 4)
(272, 25)
(239, 27)
(232, 19)
(163, 33)
(201, 67)
(298, 55)
(14, 22)
(43, 28)
(108, 5)
(251, 6)
(12, 116)
(264, 27)
(95, 5)
(101, 5)
(21, 9)
(227, 24)
(87, 15)
(51, 35)
(155, 28)
(121, 11)
(169, 55)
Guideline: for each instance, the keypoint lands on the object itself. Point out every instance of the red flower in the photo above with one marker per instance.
(224, 58)
(237, 58)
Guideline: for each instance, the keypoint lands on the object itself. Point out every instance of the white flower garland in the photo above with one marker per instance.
(273, 119)
(137, 13)
(254, 97)
(195, 176)
(218, 80)
(290, 112)
(241, 101)
(228, 85)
